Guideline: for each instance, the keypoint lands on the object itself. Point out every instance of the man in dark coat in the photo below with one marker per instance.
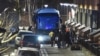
(59, 39)
(68, 36)
(63, 34)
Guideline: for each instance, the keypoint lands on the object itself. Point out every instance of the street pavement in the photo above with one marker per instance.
(47, 50)
(54, 51)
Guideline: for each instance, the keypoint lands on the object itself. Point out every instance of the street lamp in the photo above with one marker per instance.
(90, 7)
(45, 5)
(14, 9)
(24, 9)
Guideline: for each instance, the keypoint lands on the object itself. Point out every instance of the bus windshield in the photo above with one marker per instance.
(48, 21)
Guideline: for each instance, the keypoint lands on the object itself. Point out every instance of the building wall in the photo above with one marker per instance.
(24, 20)
(88, 12)
(88, 3)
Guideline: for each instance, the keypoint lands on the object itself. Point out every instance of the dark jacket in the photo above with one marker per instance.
(63, 34)
(59, 36)
(68, 37)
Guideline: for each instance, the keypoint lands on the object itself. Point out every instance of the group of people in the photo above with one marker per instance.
(63, 37)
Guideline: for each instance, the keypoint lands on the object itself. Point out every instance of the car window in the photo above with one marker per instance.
(28, 53)
(32, 39)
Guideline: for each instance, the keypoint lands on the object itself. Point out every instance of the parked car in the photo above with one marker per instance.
(19, 36)
(27, 51)
(30, 40)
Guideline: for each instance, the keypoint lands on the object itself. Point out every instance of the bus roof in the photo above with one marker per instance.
(47, 10)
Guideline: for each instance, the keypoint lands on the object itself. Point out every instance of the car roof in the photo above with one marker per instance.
(25, 31)
(27, 49)
(29, 35)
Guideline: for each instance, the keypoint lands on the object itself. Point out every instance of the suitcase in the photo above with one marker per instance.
(75, 43)
(75, 47)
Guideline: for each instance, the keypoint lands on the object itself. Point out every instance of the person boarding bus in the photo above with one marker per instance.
(51, 34)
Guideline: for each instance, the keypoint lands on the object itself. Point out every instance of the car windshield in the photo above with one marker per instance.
(22, 33)
(31, 39)
(28, 53)
(48, 21)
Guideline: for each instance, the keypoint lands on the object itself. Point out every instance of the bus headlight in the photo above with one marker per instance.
(40, 38)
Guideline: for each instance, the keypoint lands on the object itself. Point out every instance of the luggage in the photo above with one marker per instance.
(75, 43)
(75, 47)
